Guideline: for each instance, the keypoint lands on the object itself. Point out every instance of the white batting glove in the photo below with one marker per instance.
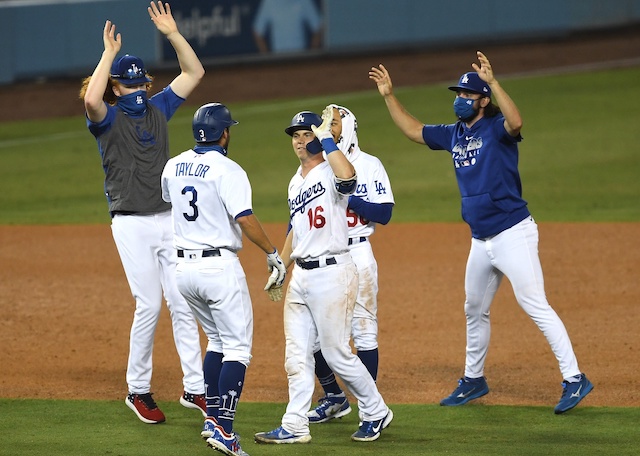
(324, 130)
(274, 292)
(277, 269)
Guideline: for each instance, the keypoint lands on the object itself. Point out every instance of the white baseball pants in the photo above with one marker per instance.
(512, 253)
(145, 245)
(319, 305)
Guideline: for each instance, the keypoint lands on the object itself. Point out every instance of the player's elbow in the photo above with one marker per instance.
(346, 186)
(199, 74)
(195, 76)
(514, 125)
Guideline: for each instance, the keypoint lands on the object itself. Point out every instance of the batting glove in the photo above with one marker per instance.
(277, 269)
(274, 292)
(323, 132)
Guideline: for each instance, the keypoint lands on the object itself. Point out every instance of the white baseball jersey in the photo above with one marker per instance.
(192, 180)
(317, 211)
(373, 182)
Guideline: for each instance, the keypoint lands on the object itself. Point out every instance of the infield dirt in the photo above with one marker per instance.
(67, 309)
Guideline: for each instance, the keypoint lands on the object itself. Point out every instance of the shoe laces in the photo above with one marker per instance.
(148, 401)
(566, 386)
(189, 397)
(328, 401)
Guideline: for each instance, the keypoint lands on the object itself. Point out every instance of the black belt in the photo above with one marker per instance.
(355, 240)
(315, 264)
(205, 253)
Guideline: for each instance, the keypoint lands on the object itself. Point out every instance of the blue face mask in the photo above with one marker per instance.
(463, 107)
(134, 104)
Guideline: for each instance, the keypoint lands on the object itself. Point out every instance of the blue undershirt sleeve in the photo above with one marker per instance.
(379, 213)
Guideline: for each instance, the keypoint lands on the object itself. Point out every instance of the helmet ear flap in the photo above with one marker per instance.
(210, 121)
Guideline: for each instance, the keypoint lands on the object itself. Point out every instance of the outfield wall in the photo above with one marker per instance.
(58, 38)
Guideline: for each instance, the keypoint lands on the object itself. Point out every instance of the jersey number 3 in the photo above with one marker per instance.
(192, 203)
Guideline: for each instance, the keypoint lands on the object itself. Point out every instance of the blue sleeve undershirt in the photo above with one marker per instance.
(379, 213)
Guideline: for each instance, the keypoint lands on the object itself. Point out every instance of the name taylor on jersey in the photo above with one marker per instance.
(187, 169)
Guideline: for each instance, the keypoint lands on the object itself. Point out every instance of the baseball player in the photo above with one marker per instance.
(371, 203)
(131, 131)
(322, 291)
(211, 210)
(484, 146)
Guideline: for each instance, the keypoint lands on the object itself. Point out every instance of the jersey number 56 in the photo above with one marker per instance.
(353, 218)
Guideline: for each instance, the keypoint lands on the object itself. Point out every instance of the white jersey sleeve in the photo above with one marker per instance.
(374, 186)
(317, 214)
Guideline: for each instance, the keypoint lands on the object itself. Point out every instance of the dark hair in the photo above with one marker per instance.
(491, 110)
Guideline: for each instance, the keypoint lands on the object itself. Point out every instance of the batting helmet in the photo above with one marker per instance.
(471, 82)
(209, 122)
(303, 121)
(129, 70)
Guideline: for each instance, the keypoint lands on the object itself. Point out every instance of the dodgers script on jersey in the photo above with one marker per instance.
(212, 180)
(316, 207)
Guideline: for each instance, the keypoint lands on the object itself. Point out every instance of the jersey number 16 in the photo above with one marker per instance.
(316, 219)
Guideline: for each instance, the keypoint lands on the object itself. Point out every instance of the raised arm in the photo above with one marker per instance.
(192, 70)
(512, 118)
(94, 95)
(409, 125)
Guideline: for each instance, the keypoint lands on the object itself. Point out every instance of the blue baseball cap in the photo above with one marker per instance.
(471, 82)
(129, 70)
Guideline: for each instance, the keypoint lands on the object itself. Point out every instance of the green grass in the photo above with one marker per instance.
(578, 163)
(67, 428)
(578, 160)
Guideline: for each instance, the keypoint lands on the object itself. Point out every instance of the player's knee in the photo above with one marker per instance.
(293, 366)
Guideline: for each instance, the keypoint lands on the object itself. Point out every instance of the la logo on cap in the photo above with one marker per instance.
(465, 79)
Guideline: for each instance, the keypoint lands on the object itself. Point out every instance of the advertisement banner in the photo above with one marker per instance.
(226, 28)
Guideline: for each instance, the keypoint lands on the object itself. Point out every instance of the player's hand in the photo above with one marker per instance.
(274, 293)
(381, 77)
(162, 18)
(324, 130)
(112, 41)
(485, 72)
(277, 269)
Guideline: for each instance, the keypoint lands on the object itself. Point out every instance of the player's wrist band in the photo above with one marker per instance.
(329, 145)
